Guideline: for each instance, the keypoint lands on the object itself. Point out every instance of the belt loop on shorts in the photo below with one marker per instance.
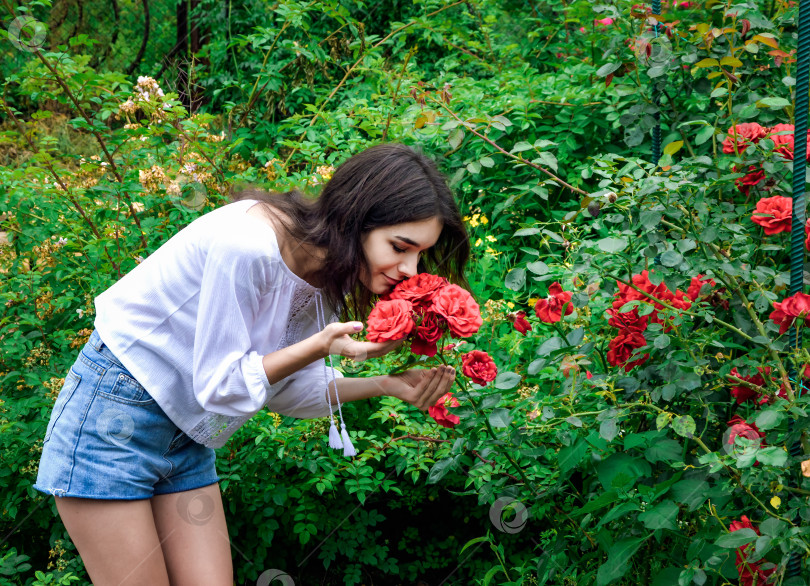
(98, 343)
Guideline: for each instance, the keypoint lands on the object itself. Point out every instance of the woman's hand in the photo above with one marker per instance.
(419, 387)
(335, 340)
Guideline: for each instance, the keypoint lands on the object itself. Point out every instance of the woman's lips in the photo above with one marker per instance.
(390, 280)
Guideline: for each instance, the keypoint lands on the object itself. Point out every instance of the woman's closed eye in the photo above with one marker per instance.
(398, 249)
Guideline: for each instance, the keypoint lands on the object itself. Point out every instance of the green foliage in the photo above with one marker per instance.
(626, 473)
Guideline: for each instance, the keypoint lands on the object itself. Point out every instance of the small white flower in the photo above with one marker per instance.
(139, 259)
(104, 164)
(142, 79)
(80, 312)
(160, 92)
(61, 241)
(190, 167)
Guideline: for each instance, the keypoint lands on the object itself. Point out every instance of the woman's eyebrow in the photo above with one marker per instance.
(409, 241)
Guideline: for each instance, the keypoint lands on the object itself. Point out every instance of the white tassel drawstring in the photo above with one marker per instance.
(341, 439)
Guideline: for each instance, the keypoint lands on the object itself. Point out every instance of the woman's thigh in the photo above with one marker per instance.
(194, 537)
(117, 540)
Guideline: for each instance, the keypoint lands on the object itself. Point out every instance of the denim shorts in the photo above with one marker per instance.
(108, 439)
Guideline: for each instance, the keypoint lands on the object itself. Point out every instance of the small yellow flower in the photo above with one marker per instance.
(484, 219)
(510, 305)
(492, 252)
(479, 242)
(491, 238)
(533, 300)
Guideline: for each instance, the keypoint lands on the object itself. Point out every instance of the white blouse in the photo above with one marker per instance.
(193, 321)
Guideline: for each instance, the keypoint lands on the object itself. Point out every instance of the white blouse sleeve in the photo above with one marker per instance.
(305, 397)
(227, 377)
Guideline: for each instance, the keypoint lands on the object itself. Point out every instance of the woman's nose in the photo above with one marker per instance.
(409, 267)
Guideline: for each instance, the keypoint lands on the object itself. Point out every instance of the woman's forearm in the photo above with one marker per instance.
(352, 389)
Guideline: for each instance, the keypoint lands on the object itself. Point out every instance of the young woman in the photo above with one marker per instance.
(225, 318)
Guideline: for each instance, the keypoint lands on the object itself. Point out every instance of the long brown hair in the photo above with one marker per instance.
(382, 186)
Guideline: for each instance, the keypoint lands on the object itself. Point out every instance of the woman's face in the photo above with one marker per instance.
(393, 252)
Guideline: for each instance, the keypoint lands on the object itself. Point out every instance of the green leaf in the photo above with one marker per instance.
(736, 539)
(455, 138)
(772, 456)
(768, 419)
(550, 346)
(570, 456)
(671, 258)
(704, 134)
(673, 147)
(538, 267)
(515, 279)
(607, 69)
(662, 516)
(661, 341)
(609, 428)
(491, 401)
(662, 420)
(684, 426)
(486, 162)
(507, 380)
(500, 417)
(619, 556)
(440, 470)
(520, 147)
(773, 103)
(612, 244)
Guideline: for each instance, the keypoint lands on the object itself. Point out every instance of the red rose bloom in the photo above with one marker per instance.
(460, 310)
(786, 312)
(696, 285)
(748, 571)
(550, 309)
(629, 320)
(737, 426)
(620, 349)
(440, 413)
(745, 134)
(742, 393)
(773, 214)
(519, 321)
(754, 176)
(390, 320)
(782, 143)
(427, 334)
(478, 367)
(419, 290)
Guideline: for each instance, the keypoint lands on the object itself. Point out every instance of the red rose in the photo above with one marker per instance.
(745, 134)
(440, 413)
(678, 300)
(427, 334)
(419, 290)
(479, 367)
(519, 321)
(390, 320)
(754, 176)
(460, 310)
(786, 312)
(629, 320)
(748, 571)
(696, 285)
(737, 426)
(774, 214)
(743, 393)
(550, 309)
(620, 349)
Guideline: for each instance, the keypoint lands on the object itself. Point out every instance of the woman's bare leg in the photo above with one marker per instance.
(194, 537)
(117, 540)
